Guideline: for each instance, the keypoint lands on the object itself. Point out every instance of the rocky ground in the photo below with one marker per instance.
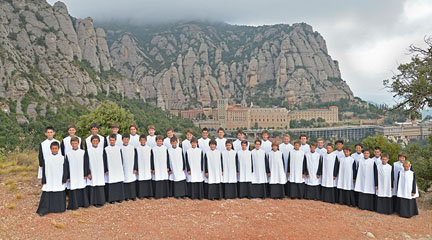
(187, 219)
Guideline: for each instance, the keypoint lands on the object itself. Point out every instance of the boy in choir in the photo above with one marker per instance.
(304, 146)
(321, 148)
(204, 141)
(213, 168)
(151, 137)
(229, 177)
(327, 171)
(167, 140)
(144, 182)
(45, 147)
(53, 198)
(244, 170)
(312, 182)
(383, 175)
(134, 136)
(397, 167)
(296, 171)
(259, 174)
(114, 175)
(339, 149)
(177, 168)
(276, 173)
(238, 142)
(220, 140)
(407, 192)
(358, 155)
(186, 144)
(266, 144)
(377, 155)
(77, 171)
(66, 144)
(160, 168)
(194, 159)
(94, 129)
(285, 147)
(130, 167)
(345, 175)
(96, 177)
(365, 182)
(115, 127)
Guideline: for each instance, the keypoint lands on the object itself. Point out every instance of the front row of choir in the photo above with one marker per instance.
(115, 173)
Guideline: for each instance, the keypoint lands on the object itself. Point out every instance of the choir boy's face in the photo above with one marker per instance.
(133, 130)
(112, 141)
(49, 133)
(286, 139)
(143, 141)
(244, 146)
(329, 149)
(407, 167)
(71, 132)
(204, 134)
(377, 153)
(54, 150)
(347, 153)
(240, 136)
(320, 144)
(296, 146)
(312, 148)
(194, 144)
(170, 134)
(257, 145)
(212, 146)
(228, 146)
(74, 145)
(265, 136)
(115, 130)
(94, 131)
(366, 154)
(274, 147)
(339, 146)
(125, 141)
(95, 142)
(401, 159)
(159, 142)
(189, 136)
(384, 160)
(303, 140)
(358, 149)
(151, 131)
(221, 134)
(174, 144)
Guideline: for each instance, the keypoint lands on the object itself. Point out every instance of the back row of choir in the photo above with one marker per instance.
(130, 166)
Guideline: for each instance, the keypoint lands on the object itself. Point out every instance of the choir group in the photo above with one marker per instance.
(129, 166)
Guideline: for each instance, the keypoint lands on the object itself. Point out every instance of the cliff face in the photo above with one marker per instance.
(48, 57)
(193, 64)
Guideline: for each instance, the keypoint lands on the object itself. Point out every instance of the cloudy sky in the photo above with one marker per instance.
(369, 38)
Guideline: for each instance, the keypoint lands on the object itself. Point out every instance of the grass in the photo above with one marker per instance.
(57, 224)
(75, 214)
(19, 196)
(11, 206)
(13, 187)
(9, 182)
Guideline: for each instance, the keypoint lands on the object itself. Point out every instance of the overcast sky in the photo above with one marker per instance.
(369, 38)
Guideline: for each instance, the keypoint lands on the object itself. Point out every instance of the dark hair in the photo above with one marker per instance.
(142, 136)
(366, 150)
(377, 148)
(229, 142)
(159, 137)
(303, 135)
(173, 139)
(49, 128)
(257, 140)
(212, 142)
(402, 154)
(264, 131)
(169, 129)
(204, 130)
(113, 136)
(133, 125)
(359, 144)
(240, 132)
(115, 125)
(244, 142)
(348, 148)
(94, 137)
(384, 155)
(125, 135)
(194, 140)
(54, 144)
(94, 125)
(297, 142)
(221, 129)
(71, 126)
(339, 141)
(189, 131)
(313, 144)
(74, 139)
(329, 145)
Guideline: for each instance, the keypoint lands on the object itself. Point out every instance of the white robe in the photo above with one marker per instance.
(114, 164)
(101, 141)
(237, 145)
(405, 185)
(129, 159)
(365, 182)
(186, 144)
(221, 144)
(305, 148)
(357, 157)
(75, 158)
(276, 167)
(397, 167)
(285, 149)
(313, 162)
(45, 150)
(296, 160)
(96, 166)
(167, 142)
(67, 144)
(244, 158)
(160, 158)
(194, 161)
(53, 168)
(151, 141)
(377, 160)
(229, 166)
(134, 140)
(346, 173)
(204, 144)
(176, 164)
(321, 151)
(259, 174)
(340, 154)
(328, 166)
(144, 164)
(266, 145)
(384, 177)
(119, 140)
(213, 166)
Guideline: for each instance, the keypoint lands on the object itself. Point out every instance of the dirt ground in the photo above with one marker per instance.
(192, 219)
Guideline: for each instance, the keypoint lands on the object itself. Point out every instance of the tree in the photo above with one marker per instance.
(105, 115)
(391, 148)
(413, 84)
(420, 156)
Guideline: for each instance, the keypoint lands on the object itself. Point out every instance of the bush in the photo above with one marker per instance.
(420, 157)
(392, 149)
